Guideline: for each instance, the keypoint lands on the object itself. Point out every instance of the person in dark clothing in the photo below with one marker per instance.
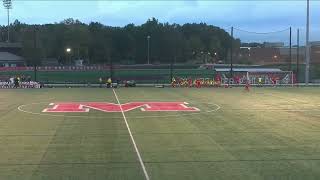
(16, 82)
(109, 83)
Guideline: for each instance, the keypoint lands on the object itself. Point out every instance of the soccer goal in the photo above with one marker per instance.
(281, 78)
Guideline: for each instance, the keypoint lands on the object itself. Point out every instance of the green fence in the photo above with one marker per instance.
(146, 75)
(150, 74)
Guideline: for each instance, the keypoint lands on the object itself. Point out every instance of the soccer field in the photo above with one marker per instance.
(267, 133)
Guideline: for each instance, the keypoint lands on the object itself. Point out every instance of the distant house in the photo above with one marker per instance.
(14, 48)
(279, 55)
(10, 60)
(273, 44)
(315, 43)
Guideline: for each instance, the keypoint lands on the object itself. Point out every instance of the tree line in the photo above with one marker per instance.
(100, 44)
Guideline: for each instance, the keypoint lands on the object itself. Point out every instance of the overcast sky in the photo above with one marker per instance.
(258, 16)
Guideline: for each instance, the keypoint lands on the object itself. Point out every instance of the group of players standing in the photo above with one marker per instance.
(198, 82)
(202, 82)
(19, 82)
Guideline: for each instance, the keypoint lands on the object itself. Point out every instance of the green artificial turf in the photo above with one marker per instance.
(264, 134)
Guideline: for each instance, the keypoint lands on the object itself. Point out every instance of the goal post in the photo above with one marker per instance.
(280, 78)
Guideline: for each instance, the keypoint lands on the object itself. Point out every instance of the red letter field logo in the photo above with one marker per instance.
(111, 107)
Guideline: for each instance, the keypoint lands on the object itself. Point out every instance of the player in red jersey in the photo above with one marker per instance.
(247, 86)
(198, 83)
(190, 82)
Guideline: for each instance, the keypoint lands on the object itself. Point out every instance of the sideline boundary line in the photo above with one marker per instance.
(132, 139)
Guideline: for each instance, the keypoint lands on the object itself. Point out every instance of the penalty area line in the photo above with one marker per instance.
(132, 139)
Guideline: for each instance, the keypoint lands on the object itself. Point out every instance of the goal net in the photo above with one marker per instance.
(284, 78)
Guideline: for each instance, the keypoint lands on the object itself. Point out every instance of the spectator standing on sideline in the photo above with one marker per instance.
(100, 82)
(109, 82)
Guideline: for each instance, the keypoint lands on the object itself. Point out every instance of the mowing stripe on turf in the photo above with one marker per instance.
(132, 139)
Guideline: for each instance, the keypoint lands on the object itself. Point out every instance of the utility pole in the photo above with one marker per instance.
(8, 5)
(298, 54)
(111, 69)
(148, 39)
(78, 52)
(307, 48)
(35, 52)
(290, 51)
(171, 70)
(231, 56)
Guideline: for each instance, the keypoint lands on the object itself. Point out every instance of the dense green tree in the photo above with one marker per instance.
(100, 44)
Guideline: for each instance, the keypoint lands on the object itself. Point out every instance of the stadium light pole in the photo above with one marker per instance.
(35, 48)
(290, 50)
(215, 57)
(148, 39)
(231, 56)
(8, 5)
(171, 70)
(307, 48)
(111, 69)
(68, 51)
(298, 54)
(203, 60)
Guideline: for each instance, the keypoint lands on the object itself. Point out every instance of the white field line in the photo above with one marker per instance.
(132, 139)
